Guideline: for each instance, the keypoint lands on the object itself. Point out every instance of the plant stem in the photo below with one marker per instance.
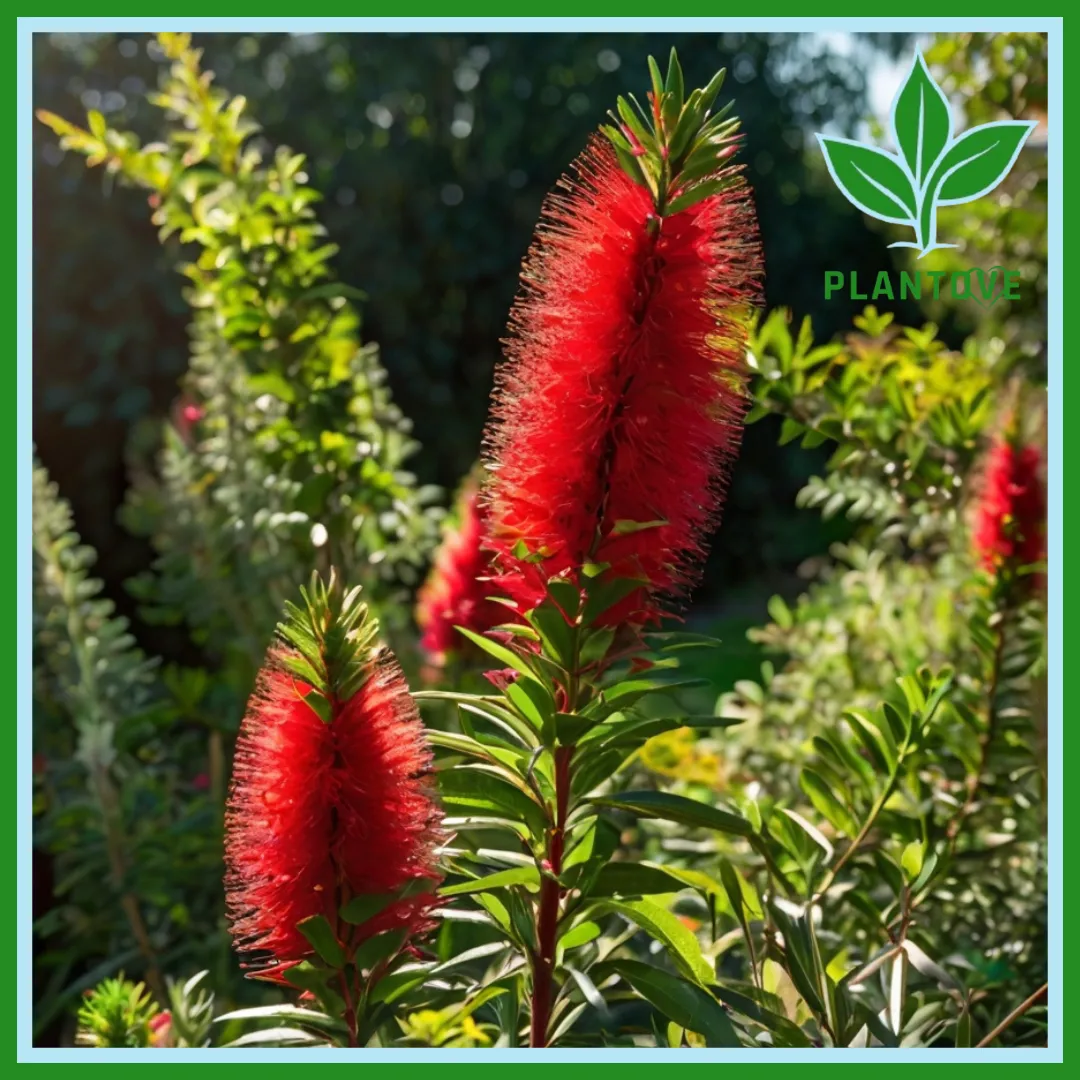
(867, 825)
(547, 918)
(1013, 1016)
(985, 740)
(350, 1010)
(129, 904)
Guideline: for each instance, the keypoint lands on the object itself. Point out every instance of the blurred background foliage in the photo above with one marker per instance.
(433, 154)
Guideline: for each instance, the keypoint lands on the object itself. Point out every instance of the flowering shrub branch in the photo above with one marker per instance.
(287, 447)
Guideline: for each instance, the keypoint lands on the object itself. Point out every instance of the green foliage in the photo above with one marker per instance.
(1000, 77)
(117, 1014)
(903, 411)
(291, 450)
(890, 759)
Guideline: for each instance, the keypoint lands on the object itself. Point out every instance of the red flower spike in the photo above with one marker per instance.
(1010, 518)
(321, 812)
(624, 390)
(457, 589)
(161, 1029)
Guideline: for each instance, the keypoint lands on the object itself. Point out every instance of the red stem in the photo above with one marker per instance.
(350, 1010)
(547, 919)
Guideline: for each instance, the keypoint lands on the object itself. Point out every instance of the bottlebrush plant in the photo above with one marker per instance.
(330, 827)
(854, 852)
(615, 420)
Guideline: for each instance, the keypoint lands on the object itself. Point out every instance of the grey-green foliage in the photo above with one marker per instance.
(86, 662)
(191, 1011)
(115, 813)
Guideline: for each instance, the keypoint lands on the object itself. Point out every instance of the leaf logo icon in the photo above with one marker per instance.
(930, 168)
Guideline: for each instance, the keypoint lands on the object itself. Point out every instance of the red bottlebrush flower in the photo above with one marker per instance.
(457, 589)
(624, 390)
(320, 812)
(161, 1029)
(1010, 517)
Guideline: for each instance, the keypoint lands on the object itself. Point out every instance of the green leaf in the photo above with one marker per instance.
(595, 770)
(668, 807)
(698, 193)
(912, 859)
(361, 908)
(826, 803)
(799, 952)
(617, 697)
(790, 430)
(871, 179)
(604, 593)
(669, 931)
(687, 1005)
(396, 985)
(579, 935)
(929, 864)
(732, 882)
(625, 527)
(634, 879)
(501, 653)
(566, 594)
(528, 876)
(634, 732)
(472, 790)
(963, 1029)
(869, 734)
(569, 727)
(533, 702)
(279, 1036)
(595, 646)
(673, 84)
(322, 939)
(285, 1013)
(378, 948)
(462, 744)
(315, 978)
(498, 912)
(771, 1021)
(556, 634)
(922, 123)
(273, 383)
(979, 160)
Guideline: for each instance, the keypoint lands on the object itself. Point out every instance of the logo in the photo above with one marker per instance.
(930, 168)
